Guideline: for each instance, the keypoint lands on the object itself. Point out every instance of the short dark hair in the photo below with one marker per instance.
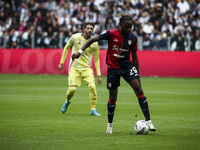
(125, 18)
(88, 23)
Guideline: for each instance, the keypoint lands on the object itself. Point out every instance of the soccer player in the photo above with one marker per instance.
(122, 44)
(80, 68)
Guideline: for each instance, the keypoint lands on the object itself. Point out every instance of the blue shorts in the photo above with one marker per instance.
(113, 76)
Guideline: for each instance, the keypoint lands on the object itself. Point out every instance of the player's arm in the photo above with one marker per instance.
(135, 60)
(134, 55)
(86, 45)
(64, 54)
(97, 63)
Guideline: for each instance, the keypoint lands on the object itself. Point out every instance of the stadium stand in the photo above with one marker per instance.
(160, 24)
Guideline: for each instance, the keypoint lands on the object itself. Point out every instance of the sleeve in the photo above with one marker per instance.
(96, 59)
(135, 45)
(104, 35)
(66, 49)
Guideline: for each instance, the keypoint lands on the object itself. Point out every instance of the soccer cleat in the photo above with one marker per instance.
(151, 126)
(94, 112)
(65, 106)
(109, 128)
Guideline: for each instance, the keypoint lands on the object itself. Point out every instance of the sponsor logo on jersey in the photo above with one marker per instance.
(119, 56)
(124, 50)
(117, 49)
(129, 42)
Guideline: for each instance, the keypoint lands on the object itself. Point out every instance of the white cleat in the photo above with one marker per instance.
(151, 126)
(109, 128)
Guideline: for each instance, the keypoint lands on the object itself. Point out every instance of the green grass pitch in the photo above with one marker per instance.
(31, 118)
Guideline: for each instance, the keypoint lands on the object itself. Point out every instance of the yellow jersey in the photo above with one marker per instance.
(75, 42)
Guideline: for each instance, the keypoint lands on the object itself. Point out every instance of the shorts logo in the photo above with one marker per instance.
(129, 42)
(109, 85)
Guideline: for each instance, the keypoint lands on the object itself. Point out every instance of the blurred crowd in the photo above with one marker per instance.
(161, 24)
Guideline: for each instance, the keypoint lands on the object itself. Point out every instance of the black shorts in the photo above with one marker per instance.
(113, 76)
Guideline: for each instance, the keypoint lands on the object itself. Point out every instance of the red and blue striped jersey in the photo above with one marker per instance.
(119, 48)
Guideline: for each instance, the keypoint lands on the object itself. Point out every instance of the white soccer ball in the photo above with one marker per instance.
(141, 127)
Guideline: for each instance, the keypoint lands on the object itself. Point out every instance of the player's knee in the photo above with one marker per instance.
(138, 91)
(71, 90)
(112, 101)
(92, 88)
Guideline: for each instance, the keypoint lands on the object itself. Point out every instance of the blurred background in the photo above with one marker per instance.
(162, 25)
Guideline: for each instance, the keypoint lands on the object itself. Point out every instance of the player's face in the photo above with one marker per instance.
(126, 27)
(88, 30)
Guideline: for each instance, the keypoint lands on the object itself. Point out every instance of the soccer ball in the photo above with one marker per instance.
(141, 127)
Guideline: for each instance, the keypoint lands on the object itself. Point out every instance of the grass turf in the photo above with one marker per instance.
(31, 118)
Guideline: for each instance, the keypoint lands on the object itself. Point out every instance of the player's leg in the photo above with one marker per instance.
(69, 95)
(111, 105)
(74, 80)
(136, 85)
(113, 81)
(88, 77)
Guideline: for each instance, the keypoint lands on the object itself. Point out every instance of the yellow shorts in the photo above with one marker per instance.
(77, 76)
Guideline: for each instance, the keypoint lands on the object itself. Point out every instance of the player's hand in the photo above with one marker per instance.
(99, 80)
(75, 55)
(60, 67)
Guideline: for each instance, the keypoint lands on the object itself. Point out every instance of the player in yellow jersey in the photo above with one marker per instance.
(80, 68)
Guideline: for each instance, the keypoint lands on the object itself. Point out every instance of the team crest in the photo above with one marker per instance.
(129, 42)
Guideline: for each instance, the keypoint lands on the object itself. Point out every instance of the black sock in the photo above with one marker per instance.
(111, 110)
(144, 106)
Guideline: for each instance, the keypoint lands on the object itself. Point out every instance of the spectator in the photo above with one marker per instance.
(148, 27)
(144, 18)
(124, 10)
(183, 5)
(110, 25)
(139, 5)
(146, 42)
(163, 18)
(157, 26)
(177, 42)
(39, 36)
(51, 5)
(196, 41)
(26, 39)
(70, 15)
(7, 9)
(162, 41)
(136, 26)
(166, 27)
(91, 17)
(14, 24)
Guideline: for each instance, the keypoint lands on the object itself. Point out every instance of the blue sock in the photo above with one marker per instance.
(145, 108)
(111, 111)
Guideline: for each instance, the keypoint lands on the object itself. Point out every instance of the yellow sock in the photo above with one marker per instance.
(92, 95)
